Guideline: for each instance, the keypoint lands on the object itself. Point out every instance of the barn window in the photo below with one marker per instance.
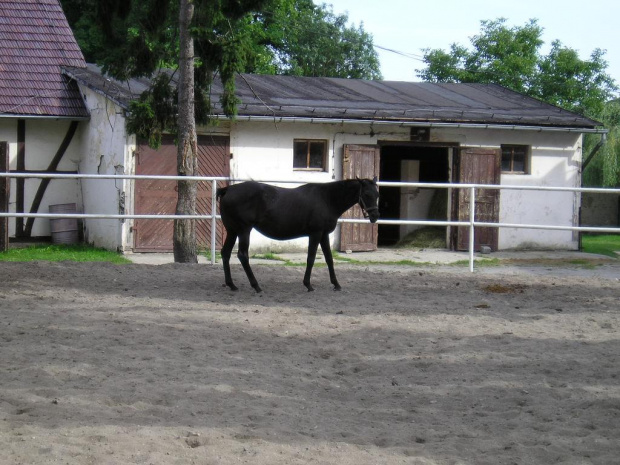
(310, 154)
(515, 159)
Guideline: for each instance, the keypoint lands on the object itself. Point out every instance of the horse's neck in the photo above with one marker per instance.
(345, 194)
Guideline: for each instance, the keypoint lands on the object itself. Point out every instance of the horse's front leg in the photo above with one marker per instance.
(327, 253)
(313, 244)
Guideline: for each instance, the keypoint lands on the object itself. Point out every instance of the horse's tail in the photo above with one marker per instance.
(220, 192)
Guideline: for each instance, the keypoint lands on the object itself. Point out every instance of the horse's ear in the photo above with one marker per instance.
(374, 180)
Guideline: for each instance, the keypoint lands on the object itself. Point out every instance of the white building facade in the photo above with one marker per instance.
(261, 149)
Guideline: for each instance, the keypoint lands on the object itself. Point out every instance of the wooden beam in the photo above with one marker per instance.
(20, 183)
(4, 196)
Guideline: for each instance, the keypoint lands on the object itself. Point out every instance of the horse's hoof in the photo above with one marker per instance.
(337, 288)
(258, 289)
(231, 286)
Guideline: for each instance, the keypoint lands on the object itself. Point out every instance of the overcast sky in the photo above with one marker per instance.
(409, 26)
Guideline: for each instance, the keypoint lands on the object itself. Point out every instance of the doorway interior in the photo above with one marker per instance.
(414, 162)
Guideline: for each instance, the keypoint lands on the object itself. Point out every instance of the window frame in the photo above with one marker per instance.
(309, 143)
(526, 158)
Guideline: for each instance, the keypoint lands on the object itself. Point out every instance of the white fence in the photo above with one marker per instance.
(471, 224)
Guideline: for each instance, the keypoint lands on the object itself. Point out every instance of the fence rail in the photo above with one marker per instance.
(471, 224)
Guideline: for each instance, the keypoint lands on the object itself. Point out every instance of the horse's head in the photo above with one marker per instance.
(369, 197)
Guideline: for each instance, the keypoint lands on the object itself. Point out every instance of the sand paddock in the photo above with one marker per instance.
(140, 364)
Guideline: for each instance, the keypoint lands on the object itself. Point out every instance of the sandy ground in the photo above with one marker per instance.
(143, 364)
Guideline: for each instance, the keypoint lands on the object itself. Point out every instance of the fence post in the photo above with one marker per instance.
(213, 219)
(472, 212)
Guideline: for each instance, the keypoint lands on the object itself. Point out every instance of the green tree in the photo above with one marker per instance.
(565, 80)
(304, 39)
(293, 37)
(604, 168)
(511, 57)
(199, 37)
(500, 55)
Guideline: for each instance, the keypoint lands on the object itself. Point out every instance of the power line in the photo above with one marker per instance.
(412, 56)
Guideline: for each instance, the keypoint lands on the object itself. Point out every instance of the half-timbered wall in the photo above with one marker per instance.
(42, 138)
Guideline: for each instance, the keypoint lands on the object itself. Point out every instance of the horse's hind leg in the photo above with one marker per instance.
(327, 253)
(313, 244)
(229, 243)
(244, 258)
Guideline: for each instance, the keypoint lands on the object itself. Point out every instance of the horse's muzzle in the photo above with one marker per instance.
(372, 214)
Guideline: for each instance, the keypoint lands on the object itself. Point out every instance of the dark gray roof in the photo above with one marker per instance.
(355, 99)
(35, 40)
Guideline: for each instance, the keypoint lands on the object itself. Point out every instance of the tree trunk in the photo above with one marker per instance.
(184, 239)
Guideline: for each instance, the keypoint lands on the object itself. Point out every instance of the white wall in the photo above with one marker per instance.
(555, 161)
(264, 151)
(106, 149)
(43, 138)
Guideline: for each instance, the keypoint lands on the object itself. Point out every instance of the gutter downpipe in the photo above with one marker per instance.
(594, 151)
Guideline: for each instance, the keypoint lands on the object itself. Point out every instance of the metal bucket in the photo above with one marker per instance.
(64, 230)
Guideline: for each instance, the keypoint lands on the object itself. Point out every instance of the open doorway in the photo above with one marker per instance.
(413, 162)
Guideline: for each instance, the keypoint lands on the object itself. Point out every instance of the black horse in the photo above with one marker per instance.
(282, 213)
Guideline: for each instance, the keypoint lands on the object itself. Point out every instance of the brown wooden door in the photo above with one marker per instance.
(160, 196)
(359, 161)
(478, 166)
(213, 160)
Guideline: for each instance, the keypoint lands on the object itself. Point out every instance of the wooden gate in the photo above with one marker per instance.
(359, 161)
(160, 196)
(478, 166)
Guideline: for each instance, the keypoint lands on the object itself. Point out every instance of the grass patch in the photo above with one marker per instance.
(604, 244)
(477, 263)
(207, 253)
(268, 256)
(338, 257)
(352, 261)
(276, 258)
(583, 263)
(60, 252)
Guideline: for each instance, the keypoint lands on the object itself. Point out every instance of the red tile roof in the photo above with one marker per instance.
(35, 41)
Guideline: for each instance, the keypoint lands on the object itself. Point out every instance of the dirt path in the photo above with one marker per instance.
(139, 364)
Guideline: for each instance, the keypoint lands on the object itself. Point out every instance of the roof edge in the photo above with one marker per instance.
(54, 117)
(404, 123)
(95, 89)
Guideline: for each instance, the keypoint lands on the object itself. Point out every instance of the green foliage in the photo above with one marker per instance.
(136, 38)
(155, 112)
(500, 55)
(510, 56)
(293, 37)
(574, 84)
(604, 169)
(303, 39)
